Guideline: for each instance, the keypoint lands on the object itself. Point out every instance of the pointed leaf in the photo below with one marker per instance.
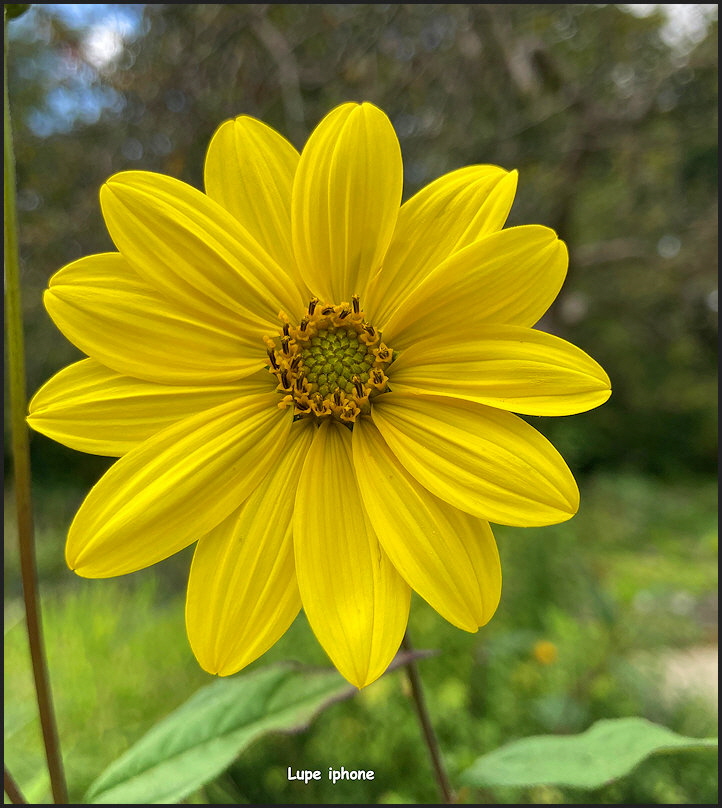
(605, 752)
(200, 739)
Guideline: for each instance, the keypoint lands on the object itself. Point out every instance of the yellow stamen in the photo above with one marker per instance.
(331, 363)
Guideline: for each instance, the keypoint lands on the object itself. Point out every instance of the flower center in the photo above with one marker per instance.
(331, 363)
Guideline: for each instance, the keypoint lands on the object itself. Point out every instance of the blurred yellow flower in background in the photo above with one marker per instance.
(317, 384)
(545, 652)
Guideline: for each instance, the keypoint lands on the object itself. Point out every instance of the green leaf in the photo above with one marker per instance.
(14, 10)
(200, 739)
(605, 752)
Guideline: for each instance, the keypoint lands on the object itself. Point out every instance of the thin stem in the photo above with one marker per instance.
(432, 744)
(21, 464)
(14, 794)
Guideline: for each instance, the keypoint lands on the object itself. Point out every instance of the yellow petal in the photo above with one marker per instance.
(176, 486)
(346, 200)
(511, 276)
(485, 462)
(444, 217)
(93, 409)
(249, 170)
(506, 366)
(449, 557)
(106, 309)
(194, 251)
(355, 601)
(242, 590)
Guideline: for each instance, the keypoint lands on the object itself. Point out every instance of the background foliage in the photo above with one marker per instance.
(611, 118)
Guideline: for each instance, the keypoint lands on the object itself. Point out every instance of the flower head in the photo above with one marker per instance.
(545, 652)
(316, 384)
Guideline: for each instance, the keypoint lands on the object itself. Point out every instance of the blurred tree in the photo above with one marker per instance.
(612, 126)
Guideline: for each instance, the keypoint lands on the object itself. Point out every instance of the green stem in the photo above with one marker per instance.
(417, 693)
(21, 463)
(14, 794)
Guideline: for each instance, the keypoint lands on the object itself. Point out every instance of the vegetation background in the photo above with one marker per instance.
(610, 114)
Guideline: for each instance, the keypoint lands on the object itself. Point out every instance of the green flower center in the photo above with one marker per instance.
(333, 358)
(331, 364)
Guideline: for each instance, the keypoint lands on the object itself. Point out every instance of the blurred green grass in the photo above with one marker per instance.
(632, 578)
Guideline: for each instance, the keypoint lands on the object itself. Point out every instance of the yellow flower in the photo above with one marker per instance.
(545, 652)
(316, 384)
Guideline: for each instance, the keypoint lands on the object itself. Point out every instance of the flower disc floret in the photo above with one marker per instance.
(332, 363)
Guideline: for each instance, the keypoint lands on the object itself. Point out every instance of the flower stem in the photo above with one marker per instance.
(14, 794)
(21, 462)
(432, 744)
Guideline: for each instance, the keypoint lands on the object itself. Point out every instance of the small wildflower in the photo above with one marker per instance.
(316, 384)
(545, 652)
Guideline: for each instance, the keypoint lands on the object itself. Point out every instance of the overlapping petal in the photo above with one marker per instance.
(93, 409)
(506, 366)
(511, 276)
(242, 590)
(346, 198)
(484, 461)
(194, 251)
(108, 311)
(449, 557)
(442, 218)
(176, 486)
(249, 170)
(355, 601)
